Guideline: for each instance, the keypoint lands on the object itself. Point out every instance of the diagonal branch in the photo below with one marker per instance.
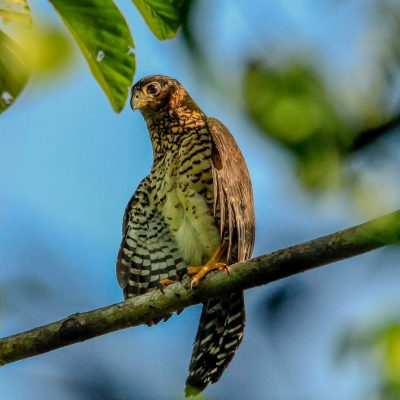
(258, 271)
(370, 135)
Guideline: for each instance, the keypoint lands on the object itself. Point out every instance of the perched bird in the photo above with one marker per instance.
(194, 212)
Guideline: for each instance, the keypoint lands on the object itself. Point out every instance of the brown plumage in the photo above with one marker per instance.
(197, 197)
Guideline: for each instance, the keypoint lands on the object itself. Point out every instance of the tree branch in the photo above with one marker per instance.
(370, 135)
(258, 271)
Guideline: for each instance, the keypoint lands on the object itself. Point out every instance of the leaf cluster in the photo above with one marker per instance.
(102, 34)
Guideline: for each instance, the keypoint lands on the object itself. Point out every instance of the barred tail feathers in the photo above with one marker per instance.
(219, 335)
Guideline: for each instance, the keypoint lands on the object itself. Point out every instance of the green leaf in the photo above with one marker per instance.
(161, 16)
(14, 71)
(104, 38)
(17, 11)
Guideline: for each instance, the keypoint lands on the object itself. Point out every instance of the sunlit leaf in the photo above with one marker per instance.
(17, 11)
(14, 71)
(161, 16)
(105, 40)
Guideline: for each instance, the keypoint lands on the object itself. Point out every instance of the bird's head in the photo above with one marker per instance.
(155, 92)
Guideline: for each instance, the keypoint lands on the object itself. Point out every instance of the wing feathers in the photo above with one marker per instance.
(147, 253)
(233, 193)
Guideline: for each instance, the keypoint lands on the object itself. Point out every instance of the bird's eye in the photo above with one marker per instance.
(153, 89)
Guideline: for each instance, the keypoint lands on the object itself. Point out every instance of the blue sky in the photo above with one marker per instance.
(68, 166)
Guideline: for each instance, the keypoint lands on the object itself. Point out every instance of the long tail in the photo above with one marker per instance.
(218, 336)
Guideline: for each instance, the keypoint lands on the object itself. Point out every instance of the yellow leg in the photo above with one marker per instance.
(198, 273)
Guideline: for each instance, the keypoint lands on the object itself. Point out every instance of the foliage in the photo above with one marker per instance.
(104, 39)
(161, 16)
(15, 11)
(380, 344)
(101, 33)
(14, 71)
(292, 106)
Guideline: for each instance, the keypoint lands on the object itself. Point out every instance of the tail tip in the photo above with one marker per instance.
(194, 388)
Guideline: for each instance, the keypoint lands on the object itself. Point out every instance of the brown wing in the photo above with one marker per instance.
(233, 194)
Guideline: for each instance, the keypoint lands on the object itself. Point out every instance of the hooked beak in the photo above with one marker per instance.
(138, 100)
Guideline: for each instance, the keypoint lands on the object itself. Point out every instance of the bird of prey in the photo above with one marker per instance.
(193, 213)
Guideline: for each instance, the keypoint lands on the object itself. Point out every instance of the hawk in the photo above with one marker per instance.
(193, 213)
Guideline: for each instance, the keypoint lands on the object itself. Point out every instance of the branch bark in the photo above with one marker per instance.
(255, 272)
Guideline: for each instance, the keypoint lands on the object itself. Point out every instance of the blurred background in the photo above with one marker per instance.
(310, 91)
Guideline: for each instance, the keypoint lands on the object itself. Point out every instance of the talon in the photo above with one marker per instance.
(225, 268)
(165, 282)
(199, 272)
(194, 282)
